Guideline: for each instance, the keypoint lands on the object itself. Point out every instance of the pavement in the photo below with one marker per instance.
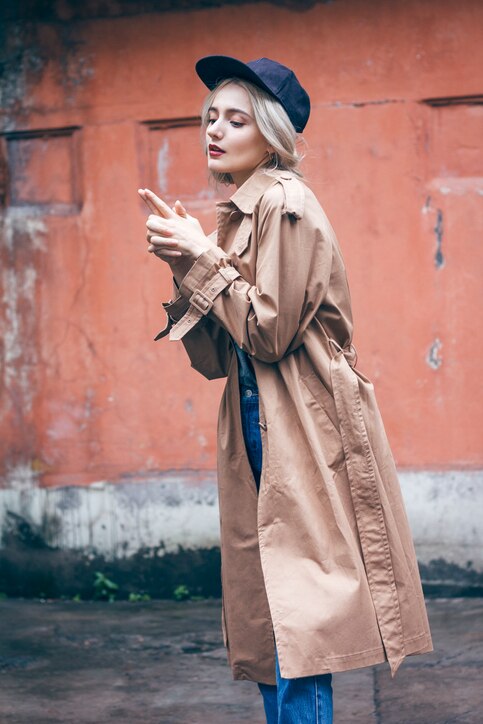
(163, 662)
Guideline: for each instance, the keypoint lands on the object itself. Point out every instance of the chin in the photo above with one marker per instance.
(218, 167)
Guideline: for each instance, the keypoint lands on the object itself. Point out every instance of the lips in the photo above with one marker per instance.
(215, 150)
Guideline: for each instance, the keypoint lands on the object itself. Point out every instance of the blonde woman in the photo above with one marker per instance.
(319, 572)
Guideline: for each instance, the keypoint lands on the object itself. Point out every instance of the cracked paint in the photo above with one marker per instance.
(433, 358)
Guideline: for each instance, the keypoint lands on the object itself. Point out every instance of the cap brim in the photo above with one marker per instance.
(212, 69)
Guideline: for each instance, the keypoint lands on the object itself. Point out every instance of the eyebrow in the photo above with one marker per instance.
(230, 110)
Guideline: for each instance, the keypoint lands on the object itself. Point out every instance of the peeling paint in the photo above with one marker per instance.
(433, 358)
(117, 519)
(23, 220)
(21, 477)
(162, 166)
(25, 58)
(18, 284)
(22, 62)
(427, 206)
(438, 230)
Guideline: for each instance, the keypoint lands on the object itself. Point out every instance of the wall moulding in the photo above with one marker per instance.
(42, 170)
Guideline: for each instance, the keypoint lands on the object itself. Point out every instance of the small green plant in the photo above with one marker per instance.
(77, 598)
(3, 596)
(181, 593)
(104, 588)
(139, 596)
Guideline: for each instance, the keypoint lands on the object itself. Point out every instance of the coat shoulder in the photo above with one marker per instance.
(286, 193)
(291, 195)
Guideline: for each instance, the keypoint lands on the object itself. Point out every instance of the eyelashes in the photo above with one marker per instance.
(235, 124)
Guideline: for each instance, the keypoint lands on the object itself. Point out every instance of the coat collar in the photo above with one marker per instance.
(246, 197)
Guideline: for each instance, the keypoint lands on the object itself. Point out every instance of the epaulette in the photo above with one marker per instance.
(294, 195)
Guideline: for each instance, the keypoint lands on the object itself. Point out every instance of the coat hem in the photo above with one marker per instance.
(421, 644)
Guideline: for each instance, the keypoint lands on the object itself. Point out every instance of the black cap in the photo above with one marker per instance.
(273, 77)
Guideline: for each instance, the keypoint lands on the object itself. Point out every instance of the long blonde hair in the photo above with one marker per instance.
(273, 123)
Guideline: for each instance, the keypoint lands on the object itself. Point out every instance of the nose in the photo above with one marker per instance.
(213, 130)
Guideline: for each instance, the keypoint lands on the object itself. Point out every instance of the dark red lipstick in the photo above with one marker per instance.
(215, 151)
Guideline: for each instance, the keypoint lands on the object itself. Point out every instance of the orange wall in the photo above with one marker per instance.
(111, 104)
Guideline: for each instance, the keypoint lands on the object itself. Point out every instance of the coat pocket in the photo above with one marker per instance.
(322, 406)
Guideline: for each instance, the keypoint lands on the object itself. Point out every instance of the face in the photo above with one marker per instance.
(234, 142)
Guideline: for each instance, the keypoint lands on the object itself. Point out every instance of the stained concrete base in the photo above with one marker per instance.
(153, 531)
(162, 662)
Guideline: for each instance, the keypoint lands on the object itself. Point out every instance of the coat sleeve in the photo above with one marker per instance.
(263, 318)
(208, 345)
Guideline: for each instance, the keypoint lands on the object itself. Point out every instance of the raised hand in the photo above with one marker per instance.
(173, 234)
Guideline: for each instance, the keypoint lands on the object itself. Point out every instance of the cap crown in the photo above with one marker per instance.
(275, 78)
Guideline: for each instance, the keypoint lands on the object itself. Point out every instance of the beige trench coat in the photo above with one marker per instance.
(322, 559)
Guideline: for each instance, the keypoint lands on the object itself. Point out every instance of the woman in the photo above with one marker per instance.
(319, 572)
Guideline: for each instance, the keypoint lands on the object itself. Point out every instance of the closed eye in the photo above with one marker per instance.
(235, 124)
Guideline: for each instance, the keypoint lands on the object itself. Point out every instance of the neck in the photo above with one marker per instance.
(240, 177)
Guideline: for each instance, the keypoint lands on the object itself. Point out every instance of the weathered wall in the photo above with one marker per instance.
(94, 107)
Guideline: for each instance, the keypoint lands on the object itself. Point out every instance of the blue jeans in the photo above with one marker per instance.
(307, 699)
(251, 430)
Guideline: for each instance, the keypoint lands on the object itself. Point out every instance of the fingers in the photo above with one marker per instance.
(162, 241)
(161, 207)
(148, 203)
(156, 224)
(154, 202)
(163, 247)
(158, 234)
(179, 209)
(165, 254)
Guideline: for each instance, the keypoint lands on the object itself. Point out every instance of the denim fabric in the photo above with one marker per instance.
(246, 373)
(307, 699)
(251, 430)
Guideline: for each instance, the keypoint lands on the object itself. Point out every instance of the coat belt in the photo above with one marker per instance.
(367, 502)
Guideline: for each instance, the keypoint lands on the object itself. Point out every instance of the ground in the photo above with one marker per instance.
(163, 662)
